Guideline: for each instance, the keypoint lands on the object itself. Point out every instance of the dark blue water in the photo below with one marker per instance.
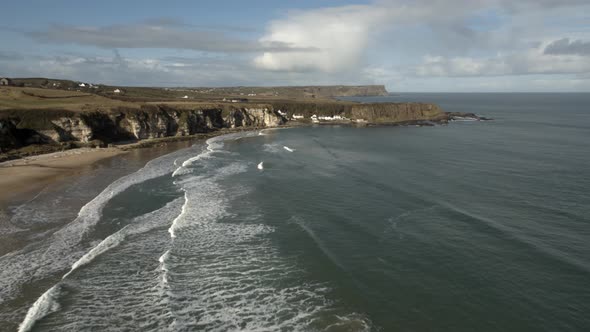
(474, 226)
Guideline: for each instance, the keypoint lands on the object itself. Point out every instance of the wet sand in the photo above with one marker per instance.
(24, 177)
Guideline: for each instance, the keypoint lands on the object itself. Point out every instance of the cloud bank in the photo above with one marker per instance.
(407, 45)
(340, 36)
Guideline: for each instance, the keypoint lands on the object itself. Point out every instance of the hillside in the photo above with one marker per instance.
(280, 92)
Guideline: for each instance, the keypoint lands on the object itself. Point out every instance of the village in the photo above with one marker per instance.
(322, 118)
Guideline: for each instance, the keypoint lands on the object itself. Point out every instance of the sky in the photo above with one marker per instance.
(409, 46)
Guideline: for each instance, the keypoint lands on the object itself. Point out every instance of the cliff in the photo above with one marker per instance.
(18, 128)
(397, 112)
(374, 113)
(46, 129)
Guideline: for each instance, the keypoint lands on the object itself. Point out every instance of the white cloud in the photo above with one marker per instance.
(530, 62)
(416, 45)
(339, 35)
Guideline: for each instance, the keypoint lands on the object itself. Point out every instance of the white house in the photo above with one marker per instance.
(282, 113)
(185, 97)
(82, 85)
(332, 118)
(117, 91)
(297, 117)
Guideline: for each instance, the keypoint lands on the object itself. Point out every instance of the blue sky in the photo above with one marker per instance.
(455, 45)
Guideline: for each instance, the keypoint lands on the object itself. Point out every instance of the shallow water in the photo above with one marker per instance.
(471, 226)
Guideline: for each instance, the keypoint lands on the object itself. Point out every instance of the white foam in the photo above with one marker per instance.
(288, 148)
(352, 322)
(174, 225)
(203, 155)
(164, 267)
(108, 243)
(139, 225)
(164, 256)
(44, 305)
(214, 145)
(91, 213)
(63, 247)
(261, 165)
(271, 148)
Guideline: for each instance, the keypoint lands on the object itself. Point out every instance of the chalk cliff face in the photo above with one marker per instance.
(253, 117)
(19, 128)
(145, 123)
(69, 129)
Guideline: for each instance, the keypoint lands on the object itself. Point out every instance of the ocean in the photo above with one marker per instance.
(471, 226)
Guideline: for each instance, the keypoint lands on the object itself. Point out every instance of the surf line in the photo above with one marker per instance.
(174, 226)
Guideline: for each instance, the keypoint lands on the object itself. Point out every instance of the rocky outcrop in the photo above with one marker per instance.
(373, 113)
(8, 135)
(396, 112)
(253, 117)
(69, 129)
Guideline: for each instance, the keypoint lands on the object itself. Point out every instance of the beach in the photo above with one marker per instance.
(22, 178)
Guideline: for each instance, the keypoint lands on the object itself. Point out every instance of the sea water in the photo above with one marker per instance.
(471, 226)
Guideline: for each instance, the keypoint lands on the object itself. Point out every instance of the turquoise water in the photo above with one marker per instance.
(474, 226)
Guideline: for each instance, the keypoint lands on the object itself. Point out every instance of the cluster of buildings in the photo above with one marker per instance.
(336, 117)
(316, 119)
(82, 85)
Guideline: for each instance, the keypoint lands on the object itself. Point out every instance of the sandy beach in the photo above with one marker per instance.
(23, 177)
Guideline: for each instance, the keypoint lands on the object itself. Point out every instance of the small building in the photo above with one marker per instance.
(117, 91)
(236, 100)
(4, 81)
(82, 85)
(297, 116)
(185, 97)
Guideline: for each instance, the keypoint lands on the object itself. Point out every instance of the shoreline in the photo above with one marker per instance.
(29, 175)
(26, 177)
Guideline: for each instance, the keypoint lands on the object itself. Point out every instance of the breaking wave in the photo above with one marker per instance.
(48, 302)
(197, 263)
(45, 305)
(174, 224)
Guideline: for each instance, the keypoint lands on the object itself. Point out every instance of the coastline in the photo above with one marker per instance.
(25, 177)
